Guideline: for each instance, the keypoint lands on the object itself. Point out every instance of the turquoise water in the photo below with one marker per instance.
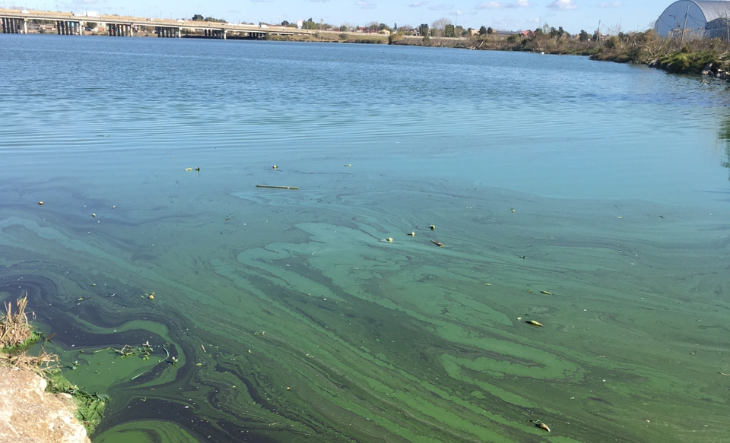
(291, 315)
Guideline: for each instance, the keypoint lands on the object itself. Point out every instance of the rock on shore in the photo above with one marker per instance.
(28, 414)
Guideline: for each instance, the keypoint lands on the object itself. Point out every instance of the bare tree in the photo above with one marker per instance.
(437, 27)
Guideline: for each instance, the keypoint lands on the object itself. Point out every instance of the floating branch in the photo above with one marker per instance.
(295, 188)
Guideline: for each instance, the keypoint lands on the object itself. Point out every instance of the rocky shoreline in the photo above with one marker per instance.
(31, 415)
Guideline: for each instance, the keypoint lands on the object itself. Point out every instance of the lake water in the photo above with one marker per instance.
(589, 197)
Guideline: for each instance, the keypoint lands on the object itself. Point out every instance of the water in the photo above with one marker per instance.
(292, 318)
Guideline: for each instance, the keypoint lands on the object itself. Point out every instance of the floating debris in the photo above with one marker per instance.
(188, 169)
(93, 215)
(546, 293)
(349, 165)
(114, 207)
(412, 234)
(437, 243)
(275, 167)
(533, 323)
(197, 169)
(433, 227)
(539, 424)
(389, 239)
(151, 296)
(513, 209)
(40, 203)
(278, 187)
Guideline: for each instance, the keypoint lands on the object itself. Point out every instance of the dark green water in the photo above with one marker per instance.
(292, 318)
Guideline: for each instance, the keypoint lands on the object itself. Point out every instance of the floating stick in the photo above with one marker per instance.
(278, 187)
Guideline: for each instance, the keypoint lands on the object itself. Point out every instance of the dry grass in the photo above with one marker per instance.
(14, 327)
(16, 332)
(40, 364)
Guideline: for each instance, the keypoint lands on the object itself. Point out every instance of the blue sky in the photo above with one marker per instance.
(573, 15)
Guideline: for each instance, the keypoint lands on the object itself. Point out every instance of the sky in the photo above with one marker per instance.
(572, 15)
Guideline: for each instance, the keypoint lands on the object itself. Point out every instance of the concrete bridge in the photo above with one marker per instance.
(66, 23)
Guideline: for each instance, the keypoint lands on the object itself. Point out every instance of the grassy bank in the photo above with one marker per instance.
(332, 37)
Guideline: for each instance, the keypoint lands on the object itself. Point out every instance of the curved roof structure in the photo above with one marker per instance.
(696, 15)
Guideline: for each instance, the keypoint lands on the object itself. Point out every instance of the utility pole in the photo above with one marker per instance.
(685, 24)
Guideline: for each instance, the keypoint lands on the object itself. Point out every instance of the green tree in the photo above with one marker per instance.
(198, 18)
(490, 31)
(343, 28)
(584, 36)
(483, 31)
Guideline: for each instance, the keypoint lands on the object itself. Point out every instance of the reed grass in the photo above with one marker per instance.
(15, 330)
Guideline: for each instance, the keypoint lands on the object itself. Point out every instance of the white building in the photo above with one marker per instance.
(695, 18)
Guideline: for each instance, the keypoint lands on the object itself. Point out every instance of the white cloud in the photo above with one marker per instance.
(418, 4)
(563, 5)
(366, 5)
(611, 5)
(518, 4)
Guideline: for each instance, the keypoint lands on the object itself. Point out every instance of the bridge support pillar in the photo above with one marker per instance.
(25, 26)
